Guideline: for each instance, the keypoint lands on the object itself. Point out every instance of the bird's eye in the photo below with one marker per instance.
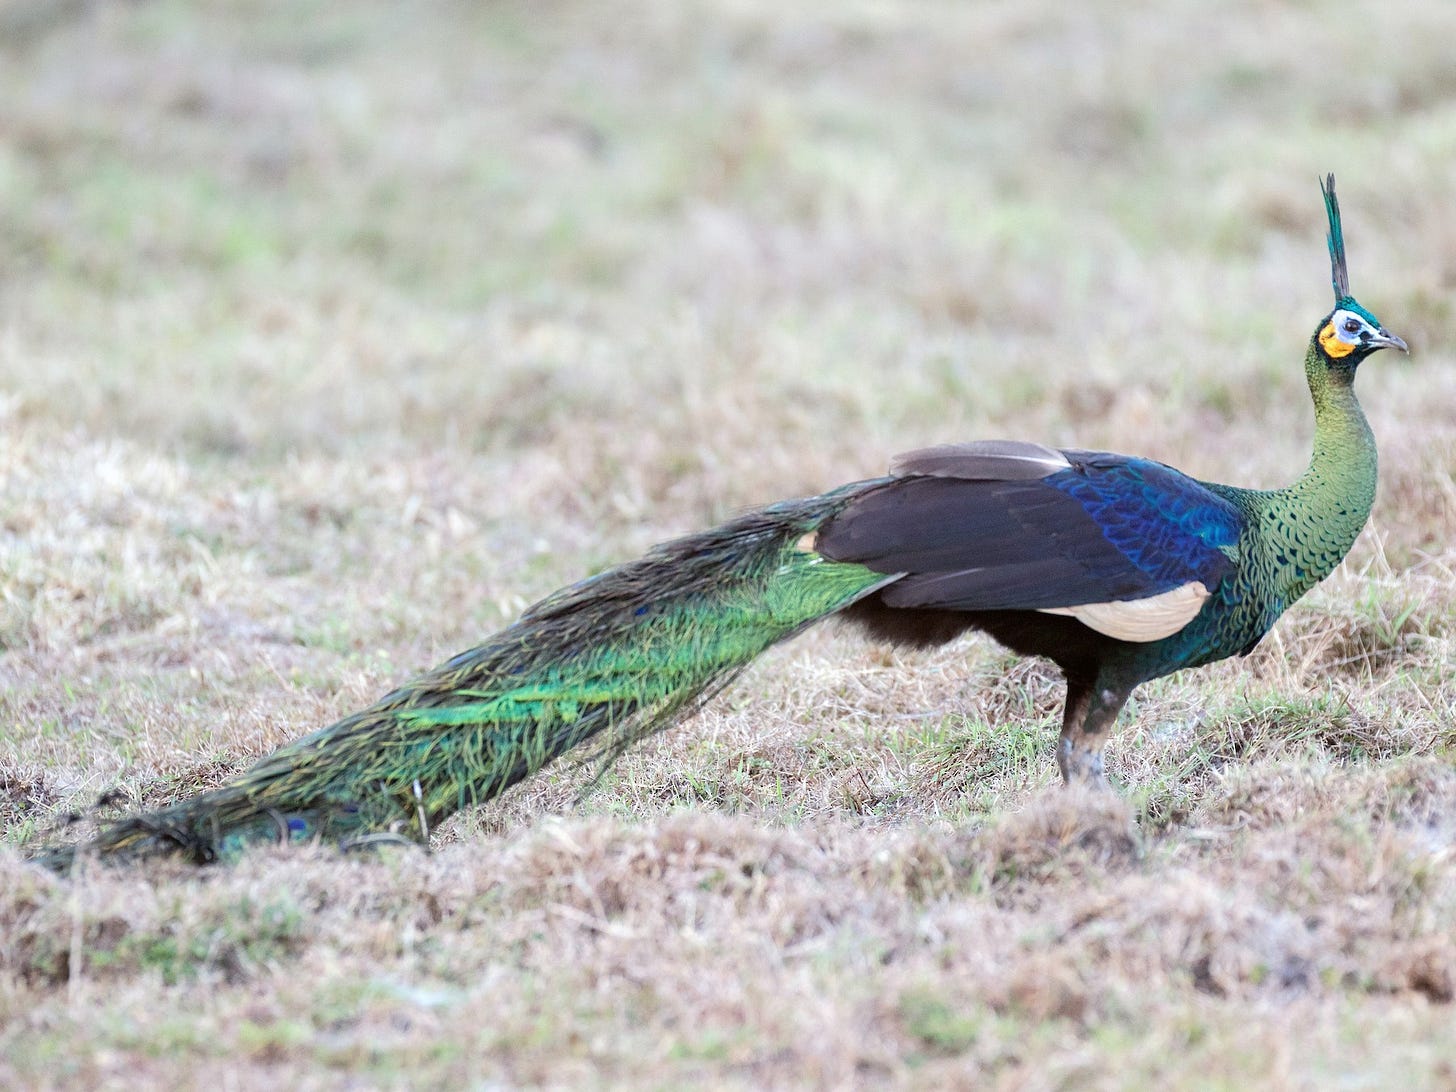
(1352, 326)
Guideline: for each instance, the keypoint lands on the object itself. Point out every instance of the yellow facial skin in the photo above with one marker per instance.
(1331, 343)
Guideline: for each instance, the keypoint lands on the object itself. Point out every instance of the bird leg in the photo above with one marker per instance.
(1091, 712)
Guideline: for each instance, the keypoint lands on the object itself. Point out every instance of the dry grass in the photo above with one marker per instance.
(331, 335)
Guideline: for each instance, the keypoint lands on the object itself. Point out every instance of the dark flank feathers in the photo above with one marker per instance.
(1118, 569)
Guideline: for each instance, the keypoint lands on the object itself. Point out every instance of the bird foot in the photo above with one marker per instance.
(1080, 765)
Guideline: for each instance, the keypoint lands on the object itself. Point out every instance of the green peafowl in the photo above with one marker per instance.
(1118, 569)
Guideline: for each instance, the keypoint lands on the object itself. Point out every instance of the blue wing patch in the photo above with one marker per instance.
(1172, 528)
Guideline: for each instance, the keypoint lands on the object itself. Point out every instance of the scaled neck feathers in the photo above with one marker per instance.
(1316, 520)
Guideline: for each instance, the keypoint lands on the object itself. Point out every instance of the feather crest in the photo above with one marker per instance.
(1339, 273)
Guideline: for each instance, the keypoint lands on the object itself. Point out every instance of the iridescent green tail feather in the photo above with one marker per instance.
(602, 663)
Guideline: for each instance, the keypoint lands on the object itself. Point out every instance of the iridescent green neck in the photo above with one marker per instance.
(1319, 516)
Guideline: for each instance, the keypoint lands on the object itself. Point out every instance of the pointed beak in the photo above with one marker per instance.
(1384, 339)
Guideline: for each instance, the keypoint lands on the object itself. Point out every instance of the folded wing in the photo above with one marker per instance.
(1130, 547)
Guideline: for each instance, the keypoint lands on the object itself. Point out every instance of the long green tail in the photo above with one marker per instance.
(606, 661)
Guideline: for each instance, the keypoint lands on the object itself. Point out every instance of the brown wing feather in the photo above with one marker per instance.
(981, 460)
(973, 544)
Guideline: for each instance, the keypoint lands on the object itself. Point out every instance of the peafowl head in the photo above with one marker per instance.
(1349, 333)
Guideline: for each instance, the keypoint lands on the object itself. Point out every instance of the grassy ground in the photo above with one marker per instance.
(332, 335)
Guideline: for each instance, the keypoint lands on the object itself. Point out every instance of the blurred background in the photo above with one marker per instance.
(359, 326)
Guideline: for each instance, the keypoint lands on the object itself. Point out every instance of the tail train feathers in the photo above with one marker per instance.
(603, 663)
